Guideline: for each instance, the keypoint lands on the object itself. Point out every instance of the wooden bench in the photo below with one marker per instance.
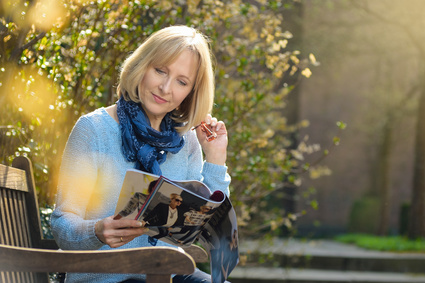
(26, 257)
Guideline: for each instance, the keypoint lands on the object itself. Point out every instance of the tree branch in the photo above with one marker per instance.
(32, 41)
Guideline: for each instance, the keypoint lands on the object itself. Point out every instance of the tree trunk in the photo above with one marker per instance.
(293, 23)
(417, 209)
(383, 176)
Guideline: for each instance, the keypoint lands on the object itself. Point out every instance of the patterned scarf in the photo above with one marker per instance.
(142, 143)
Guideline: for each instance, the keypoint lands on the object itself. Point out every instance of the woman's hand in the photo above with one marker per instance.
(116, 233)
(216, 150)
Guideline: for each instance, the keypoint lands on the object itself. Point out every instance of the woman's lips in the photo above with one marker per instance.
(158, 99)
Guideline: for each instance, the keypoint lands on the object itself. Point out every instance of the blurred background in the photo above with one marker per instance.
(370, 76)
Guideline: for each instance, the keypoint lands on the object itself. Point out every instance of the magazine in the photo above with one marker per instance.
(180, 213)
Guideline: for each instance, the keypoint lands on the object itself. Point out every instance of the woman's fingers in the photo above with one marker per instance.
(116, 233)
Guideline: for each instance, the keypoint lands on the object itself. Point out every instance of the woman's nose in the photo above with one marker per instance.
(165, 85)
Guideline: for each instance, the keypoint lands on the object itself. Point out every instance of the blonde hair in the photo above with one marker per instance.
(161, 49)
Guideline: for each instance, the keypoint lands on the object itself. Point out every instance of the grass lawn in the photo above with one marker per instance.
(388, 243)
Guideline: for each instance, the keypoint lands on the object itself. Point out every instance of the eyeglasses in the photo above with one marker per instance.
(211, 135)
(178, 200)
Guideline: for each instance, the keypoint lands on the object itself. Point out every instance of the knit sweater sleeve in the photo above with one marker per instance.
(77, 181)
(214, 176)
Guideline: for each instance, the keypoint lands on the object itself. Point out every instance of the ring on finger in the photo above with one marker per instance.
(121, 239)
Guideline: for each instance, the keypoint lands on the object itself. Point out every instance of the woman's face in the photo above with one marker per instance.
(163, 88)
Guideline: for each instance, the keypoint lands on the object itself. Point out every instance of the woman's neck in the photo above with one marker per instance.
(155, 124)
(112, 111)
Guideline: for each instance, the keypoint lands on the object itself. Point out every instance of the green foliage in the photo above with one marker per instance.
(65, 63)
(45, 215)
(389, 243)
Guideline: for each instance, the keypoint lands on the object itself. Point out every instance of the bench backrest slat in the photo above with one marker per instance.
(14, 219)
(15, 226)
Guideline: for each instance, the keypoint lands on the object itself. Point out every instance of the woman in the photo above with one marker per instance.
(166, 87)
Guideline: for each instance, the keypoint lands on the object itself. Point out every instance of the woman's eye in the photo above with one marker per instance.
(183, 83)
(159, 71)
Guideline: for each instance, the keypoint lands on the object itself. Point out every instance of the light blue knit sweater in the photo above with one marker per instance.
(92, 172)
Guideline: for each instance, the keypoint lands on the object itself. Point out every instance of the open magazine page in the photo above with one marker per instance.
(195, 187)
(176, 215)
(220, 238)
(135, 190)
(137, 187)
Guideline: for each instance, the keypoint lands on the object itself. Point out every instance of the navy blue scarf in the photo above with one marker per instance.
(142, 143)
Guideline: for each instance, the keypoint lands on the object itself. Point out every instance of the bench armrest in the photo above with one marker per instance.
(151, 261)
